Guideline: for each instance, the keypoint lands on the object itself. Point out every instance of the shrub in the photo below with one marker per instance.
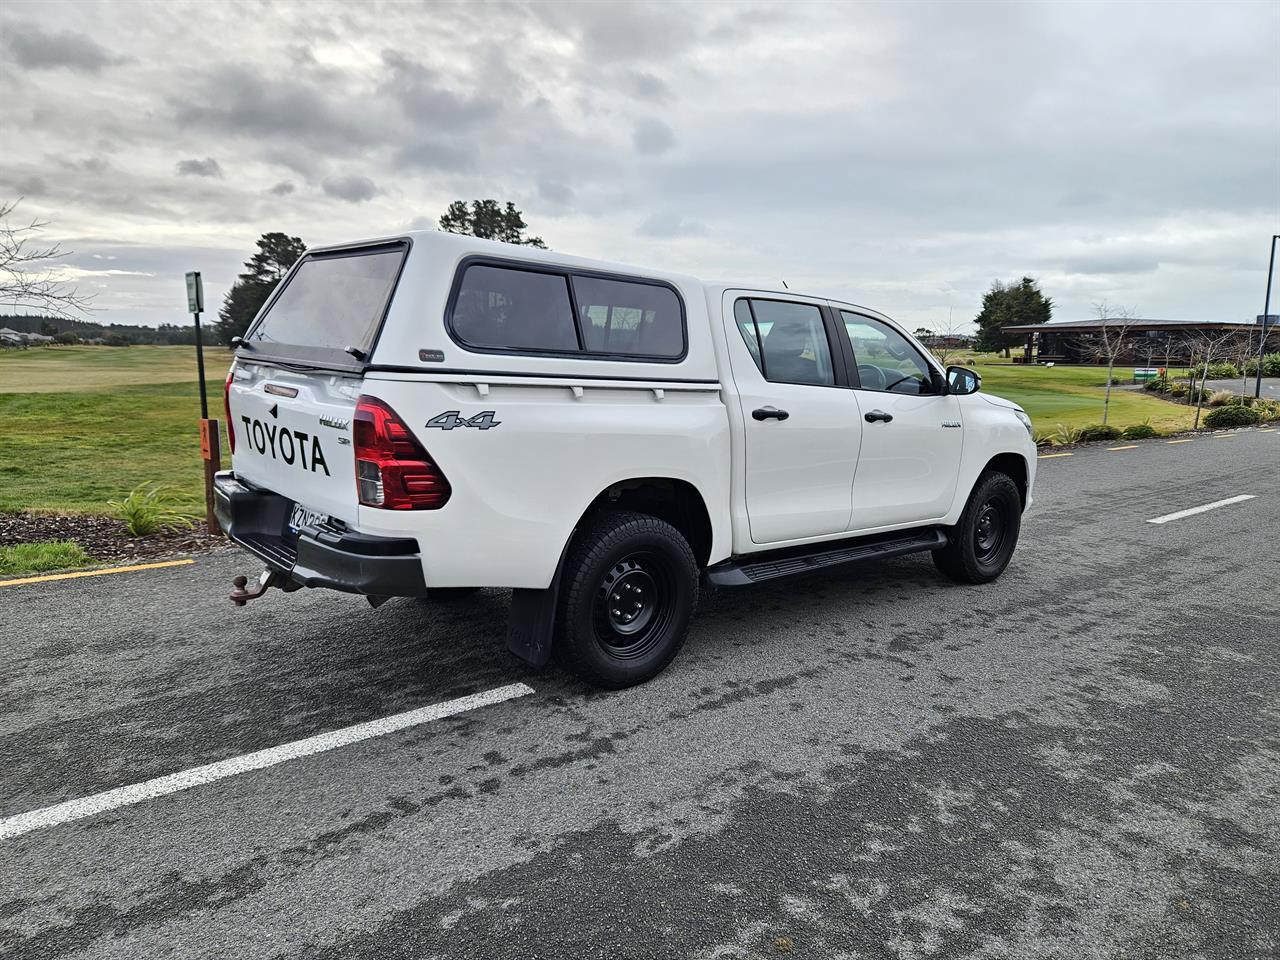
(150, 508)
(1270, 365)
(1065, 435)
(1221, 371)
(1156, 384)
(1177, 389)
(1140, 431)
(1098, 431)
(1268, 410)
(1220, 398)
(1232, 416)
(42, 556)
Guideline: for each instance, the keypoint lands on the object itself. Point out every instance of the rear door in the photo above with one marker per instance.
(799, 415)
(298, 375)
(912, 433)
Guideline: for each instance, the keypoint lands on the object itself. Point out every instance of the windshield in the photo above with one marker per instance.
(333, 301)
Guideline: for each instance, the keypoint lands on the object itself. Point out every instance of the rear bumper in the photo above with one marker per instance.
(255, 519)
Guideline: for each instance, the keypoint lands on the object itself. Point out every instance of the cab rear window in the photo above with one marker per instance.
(507, 308)
(332, 301)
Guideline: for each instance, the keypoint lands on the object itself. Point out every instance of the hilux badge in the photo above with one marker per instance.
(335, 422)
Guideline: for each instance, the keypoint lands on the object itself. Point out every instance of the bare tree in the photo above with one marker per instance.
(28, 278)
(1206, 346)
(1115, 325)
(946, 344)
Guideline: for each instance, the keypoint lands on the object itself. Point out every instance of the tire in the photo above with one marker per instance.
(448, 594)
(980, 546)
(629, 589)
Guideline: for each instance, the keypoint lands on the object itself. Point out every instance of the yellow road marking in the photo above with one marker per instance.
(1224, 436)
(1050, 456)
(1268, 430)
(1187, 440)
(95, 573)
(1132, 446)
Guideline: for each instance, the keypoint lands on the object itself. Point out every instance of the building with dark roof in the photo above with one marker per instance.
(1146, 340)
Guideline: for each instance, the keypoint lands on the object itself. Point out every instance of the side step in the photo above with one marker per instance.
(742, 572)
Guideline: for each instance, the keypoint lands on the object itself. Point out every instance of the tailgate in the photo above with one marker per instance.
(293, 435)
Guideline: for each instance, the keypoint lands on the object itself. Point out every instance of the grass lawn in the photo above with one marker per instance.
(1073, 396)
(83, 425)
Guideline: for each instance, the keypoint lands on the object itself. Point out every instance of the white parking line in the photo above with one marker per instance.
(197, 776)
(1192, 511)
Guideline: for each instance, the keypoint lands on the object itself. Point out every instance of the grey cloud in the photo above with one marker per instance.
(652, 137)
(1104, 264)
(421, 223)
(646, 86)
(208, 167)
(35, 48)
(353, 188)
(300, 54)
(423, 96)
(239, 101)
(432, 153)
(282, 189)
(671, 225)
(554, 192)
(30, 186)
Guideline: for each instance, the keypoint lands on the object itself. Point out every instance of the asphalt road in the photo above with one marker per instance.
(1080, 760)
(1270, 386)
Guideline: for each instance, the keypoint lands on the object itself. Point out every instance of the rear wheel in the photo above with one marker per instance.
(629, 591)
(980, 546)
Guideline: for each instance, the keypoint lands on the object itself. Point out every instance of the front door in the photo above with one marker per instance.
(912, 433)
(801, 420)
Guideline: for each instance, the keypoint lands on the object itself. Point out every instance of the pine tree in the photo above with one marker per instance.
(489, 221)
(1006, 304)
(277, 252)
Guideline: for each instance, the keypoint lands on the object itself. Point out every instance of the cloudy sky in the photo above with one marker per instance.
(901, 156)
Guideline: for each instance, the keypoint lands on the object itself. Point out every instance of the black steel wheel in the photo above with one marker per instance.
(981, 545)
(629, 590)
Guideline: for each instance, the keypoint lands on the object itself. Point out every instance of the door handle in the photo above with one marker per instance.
(769, 413)
(874, 415)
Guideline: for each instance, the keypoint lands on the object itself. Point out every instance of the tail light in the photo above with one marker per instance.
(393, 472)
(226, 405)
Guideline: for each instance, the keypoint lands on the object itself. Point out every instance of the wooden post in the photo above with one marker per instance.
(211, 453)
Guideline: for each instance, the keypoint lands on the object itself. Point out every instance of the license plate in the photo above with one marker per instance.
(305, 517)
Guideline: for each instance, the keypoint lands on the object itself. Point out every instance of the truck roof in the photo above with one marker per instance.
(456, 246)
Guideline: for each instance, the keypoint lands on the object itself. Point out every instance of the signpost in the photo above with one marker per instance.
(210, 440)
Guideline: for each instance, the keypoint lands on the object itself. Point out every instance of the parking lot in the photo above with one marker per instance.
(1080, 760)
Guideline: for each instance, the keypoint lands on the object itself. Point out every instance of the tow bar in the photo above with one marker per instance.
(269, 578)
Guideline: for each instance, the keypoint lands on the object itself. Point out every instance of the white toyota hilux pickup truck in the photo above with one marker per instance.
(429, 414)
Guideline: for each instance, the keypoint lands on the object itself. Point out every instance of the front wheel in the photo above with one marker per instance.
(980, 546)
(629, 591)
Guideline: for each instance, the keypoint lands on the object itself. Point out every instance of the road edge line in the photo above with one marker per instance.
(78, 574)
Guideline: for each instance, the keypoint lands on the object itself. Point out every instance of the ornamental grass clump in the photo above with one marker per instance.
(150, 508)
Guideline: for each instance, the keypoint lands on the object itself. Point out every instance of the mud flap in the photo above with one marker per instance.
(532, 623)
(532, 620)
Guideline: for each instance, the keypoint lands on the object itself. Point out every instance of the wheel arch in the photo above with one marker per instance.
(1014, 466)
(676, 501)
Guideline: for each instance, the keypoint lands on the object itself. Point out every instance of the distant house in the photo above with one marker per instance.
(1147, 340)
(12, 339)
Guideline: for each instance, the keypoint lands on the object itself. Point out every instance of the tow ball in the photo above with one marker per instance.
(269, 578)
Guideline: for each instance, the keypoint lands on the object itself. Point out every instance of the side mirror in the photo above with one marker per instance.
(962, 381)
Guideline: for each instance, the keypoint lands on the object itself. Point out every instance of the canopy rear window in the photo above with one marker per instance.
(331, 301)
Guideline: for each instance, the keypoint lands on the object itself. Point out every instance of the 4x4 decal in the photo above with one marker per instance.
(452, 418)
